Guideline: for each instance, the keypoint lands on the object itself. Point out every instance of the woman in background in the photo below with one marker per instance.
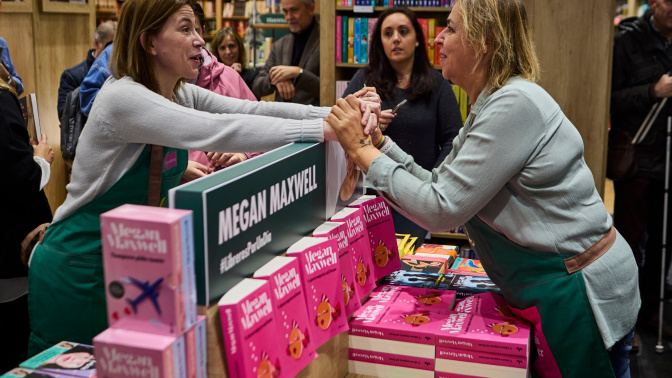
(229, 49)
(424, 127)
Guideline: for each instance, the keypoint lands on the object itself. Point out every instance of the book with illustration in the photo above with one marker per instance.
(321, 281)
(66, 358)
(424, 263)
(358, 241)
(439, 249)
(249, 330)
(466, 285)
(486, 304)
(382, 239)
(414, 298)
(468, 265)
(338, 232)
(148, 258)
(20, 372)
(293, 324)
(419, 279)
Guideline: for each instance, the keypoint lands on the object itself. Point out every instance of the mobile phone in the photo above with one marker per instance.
(394, 110)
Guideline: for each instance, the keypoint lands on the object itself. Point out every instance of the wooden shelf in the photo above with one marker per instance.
(61, 7)
(362, 65)
(449, 235)
(269, 26)
(17, 7)
(414, 9)
(236, 18)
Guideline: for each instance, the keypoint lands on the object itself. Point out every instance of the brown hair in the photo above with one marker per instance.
(219, 38)
(5, 85)
(503, 25)
(128, 57)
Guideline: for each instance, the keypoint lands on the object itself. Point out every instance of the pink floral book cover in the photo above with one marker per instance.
(391, 359)
(250, 333)
(496, 359)
(485, 304)
(293, 324)
(148, 259)
(321, 280)
(420, 298)
(338, 231)
(358, 240)
(65, 358)
(398, 322)
(485, 334)
(130, 354)
(382, 239)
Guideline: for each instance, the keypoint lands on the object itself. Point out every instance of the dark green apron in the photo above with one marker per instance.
(539, 287)
(66, 293)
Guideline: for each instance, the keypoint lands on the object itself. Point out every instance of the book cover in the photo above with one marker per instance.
(124, 353)
(338, 231)
(364, 39)
(195, 344)
(468, 265)
(466, 285)
(489, 359)
(321, 280)
(414, 297)
(339, 38)
(351, 40)
(438, 249)
(148, 259)
(31, 116)
(431, 29)
(357, 42)
(358, 240)
(30, 373)
(486, 334)
(426, 264)
(382, 240)
(419, 279)
(402, 239)
(66, 358)
(293, 324)
(391, 359)
(250, 332)
(345, 36)
(486, 304)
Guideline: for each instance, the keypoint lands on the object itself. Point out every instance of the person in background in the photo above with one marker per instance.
(72, 77)
(145, 109)
(425, 126)
(293, 66)
(7, 72)
(94, 79)
(641, 77)
(517, 179)
(229, 49)
(26, 170)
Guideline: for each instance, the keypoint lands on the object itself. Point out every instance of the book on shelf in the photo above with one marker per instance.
(468, 265)
(481, 364)
(380, 370)
(486, 304)
(341, 86)
(364, 41)
(209, 9)
(439, 249)
(446, 259)
(351, 40)
(391, 359)
(426, 264)
(419, 279)
(196, 348)
(31, 117)
(20, 372)
(413, 298)
(339, 40)
(357, 40)
(344, 39)
(65, 359)
(466, 285)
(421, 351)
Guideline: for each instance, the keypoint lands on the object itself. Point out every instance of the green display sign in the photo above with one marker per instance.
(249, 213)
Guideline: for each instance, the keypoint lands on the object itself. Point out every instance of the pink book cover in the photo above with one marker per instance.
(148, 258)
(485, 304)
(382, 239)
(358, 240)
(391, 359)
(321, 280)
(124, 353)
(339, 41)
(338, 231)
(196, 349)
(481, 357)
(485, 334)
(294, 326)
(399, 322)
(250, 331)
(420, 298)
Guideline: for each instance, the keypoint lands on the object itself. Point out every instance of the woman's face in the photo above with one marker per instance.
(457, 59)
(228, 51)
(177, 47)
(73, 360)
(398, 38)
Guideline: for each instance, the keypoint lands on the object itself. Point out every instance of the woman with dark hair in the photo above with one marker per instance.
(399, 70)
(229, 49)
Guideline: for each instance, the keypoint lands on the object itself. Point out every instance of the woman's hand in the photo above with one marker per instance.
(238, 67)
(385, 119)
(370, 104)
(225, 159)
(43, 150)
(195, 170)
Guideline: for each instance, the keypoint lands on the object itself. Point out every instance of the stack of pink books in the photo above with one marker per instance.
(148, 260)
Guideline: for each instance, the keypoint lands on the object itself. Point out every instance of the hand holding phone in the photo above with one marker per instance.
(399, 105)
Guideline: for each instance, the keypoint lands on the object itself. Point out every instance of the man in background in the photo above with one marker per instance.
(7, 72)
(293, 66)
(73, 77)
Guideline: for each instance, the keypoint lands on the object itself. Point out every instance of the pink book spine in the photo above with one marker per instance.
(477, 333)
(360, 254)
(481, 357)
(391, 359)
(339, 40)
(233, 341)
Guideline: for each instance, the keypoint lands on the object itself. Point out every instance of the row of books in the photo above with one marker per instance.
(396, 3)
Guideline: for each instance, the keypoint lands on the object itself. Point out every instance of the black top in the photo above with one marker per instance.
(24, 205)
(248, 75)
(72, 78)
(425, 127)
(300, 41)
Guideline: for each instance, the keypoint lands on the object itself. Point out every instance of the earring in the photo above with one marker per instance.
(417, 44)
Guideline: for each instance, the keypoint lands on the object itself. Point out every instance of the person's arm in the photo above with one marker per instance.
(627, 98)
(261, 86)
(309, 81)
(448, 120)
(94, 80)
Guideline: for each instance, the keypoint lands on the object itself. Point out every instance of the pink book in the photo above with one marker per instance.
(485, 334)
(481, 357)
(320, 277)
(293, 324)
(196, 349)
(417, 297)
(148, 257)
(125, 354)
(250, 331)
(358, 241)
(391, 359)
(339, 40)
(442, 374)
(485, 304)
(338, 232)
(398, 322)
(382, 239)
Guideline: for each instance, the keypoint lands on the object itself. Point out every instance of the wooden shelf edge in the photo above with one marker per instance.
(350, 65)
(236, 18)
(17, 7)
(414, 9)
(59, 7)
(269, 26)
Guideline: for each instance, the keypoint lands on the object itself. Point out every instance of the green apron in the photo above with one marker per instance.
(66, 287)
(539, 288)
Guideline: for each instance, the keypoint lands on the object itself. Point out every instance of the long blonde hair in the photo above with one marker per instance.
(4, 85)
(502, 27)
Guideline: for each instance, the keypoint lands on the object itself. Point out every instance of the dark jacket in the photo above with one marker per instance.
(72, 78)
(24, 205)
(640, 59)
